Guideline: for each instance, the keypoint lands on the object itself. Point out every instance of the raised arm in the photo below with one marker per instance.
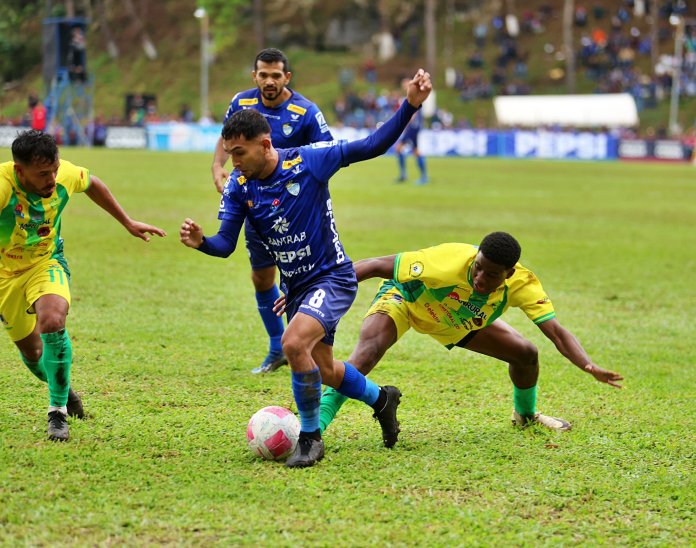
(568, 345)
(100, 194)
(375, 267)
(386, 135)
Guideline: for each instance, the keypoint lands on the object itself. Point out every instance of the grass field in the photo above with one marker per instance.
(164, 339)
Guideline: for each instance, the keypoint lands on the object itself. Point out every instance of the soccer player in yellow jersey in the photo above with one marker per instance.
(456, 293)
(34, 278)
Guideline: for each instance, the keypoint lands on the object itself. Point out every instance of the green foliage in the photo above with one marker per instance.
(164, 339)
(20, 43)
(226, 17)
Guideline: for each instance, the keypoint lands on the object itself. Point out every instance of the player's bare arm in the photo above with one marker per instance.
(100, 194)
(220, 174)
(191, 233)
(375, 267)
(568, 345)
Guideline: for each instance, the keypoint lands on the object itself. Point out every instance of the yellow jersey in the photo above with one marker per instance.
(437, 280)
(30, 224)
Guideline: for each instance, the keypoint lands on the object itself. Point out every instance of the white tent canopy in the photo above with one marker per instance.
(601, 110)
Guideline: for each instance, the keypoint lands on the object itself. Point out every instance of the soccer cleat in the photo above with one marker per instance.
(387, 416)
(271, 363)
(422, 181)
(58, 426)
(401, 179)
(553, 423)
(308, 452)
(75, 405)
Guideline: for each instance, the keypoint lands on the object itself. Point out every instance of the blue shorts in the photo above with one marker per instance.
(410, 137)
(326, 299)
(259, 255)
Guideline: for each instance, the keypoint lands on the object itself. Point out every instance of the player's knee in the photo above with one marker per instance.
(51, 322)
(528, 355)
(293, 346)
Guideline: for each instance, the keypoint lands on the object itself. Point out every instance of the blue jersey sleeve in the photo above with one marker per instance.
(318, 129)
(323, 158)
(224, 242)
(379, 142)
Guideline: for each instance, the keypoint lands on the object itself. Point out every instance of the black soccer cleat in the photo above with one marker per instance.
(387, 416)
(58, 426)
(75, 405)
(307, 453)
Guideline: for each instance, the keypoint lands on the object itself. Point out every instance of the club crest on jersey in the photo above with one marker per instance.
(416, 269)
(274, 204)
(287, 129)
(478, 322)
(293, 188)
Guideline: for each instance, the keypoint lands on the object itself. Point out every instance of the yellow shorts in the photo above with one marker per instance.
(19, 293)
(406, 313)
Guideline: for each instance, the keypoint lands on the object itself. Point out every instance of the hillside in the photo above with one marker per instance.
(174, 76)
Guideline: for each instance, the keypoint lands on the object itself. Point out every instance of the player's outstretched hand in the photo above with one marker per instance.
(419, 88)
(220, 176)
(141, 230)
(279, 306)
(602, 375)
(191, 233)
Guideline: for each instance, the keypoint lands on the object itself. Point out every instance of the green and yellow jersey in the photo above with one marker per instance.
(30, 224)
(437, 281)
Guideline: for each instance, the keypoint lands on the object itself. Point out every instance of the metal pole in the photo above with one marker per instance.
(674, 127)
(204, 64)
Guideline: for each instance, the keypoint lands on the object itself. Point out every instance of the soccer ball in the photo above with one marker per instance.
(272, 432)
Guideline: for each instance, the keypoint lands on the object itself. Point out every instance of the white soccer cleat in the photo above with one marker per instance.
(553, 423)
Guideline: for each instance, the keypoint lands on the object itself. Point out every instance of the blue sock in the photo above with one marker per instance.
(355, 385)
(402, 165)
(306, 387)
(421, 165)
(274, 325)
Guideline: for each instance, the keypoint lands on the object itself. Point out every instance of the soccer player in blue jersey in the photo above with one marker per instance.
(294, 121)
(284, 193)
(409, 141)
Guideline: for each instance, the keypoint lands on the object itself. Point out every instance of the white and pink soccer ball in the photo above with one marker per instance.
(272, 432)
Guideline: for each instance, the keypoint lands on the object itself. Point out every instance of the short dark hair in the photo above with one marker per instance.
(501, 248)
(34, 146)
(248, 122)
(272, 55)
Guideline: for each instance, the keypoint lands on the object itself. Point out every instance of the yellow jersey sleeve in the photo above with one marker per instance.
(526, 293)
(73, 178)
(439, 266)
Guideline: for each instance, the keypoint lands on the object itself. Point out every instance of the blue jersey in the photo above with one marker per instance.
(294, 123)
(291, 210)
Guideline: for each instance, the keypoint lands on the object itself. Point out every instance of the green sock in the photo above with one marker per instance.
(525, 400)
(331, 402)
(57, 360)
(35, 367)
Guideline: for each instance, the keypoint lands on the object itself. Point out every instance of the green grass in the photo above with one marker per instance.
(164, 338)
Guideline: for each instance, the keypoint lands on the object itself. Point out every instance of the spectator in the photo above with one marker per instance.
(38, 113)
(77, 56)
